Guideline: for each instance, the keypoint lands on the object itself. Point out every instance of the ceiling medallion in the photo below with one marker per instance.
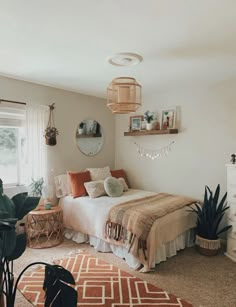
(124, 59)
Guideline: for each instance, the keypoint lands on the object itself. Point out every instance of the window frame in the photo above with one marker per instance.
(13, 117)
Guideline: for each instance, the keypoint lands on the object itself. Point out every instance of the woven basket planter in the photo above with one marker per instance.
(207, 247)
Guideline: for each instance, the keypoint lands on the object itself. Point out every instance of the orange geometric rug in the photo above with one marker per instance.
(100, 284)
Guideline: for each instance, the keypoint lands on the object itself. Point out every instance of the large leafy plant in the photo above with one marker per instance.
(58, 292)
(210, 214)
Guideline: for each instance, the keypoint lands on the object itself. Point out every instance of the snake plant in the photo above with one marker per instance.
(210, 214)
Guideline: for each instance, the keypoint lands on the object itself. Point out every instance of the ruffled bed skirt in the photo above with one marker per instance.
(163, 252)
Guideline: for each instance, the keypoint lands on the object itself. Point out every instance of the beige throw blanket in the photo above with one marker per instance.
(133, 220)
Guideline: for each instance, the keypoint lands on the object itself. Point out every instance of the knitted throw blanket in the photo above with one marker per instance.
(132, 221)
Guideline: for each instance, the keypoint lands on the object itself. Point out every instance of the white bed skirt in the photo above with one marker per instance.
(163, 252)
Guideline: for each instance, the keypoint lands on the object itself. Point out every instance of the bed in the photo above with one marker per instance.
(85, 220)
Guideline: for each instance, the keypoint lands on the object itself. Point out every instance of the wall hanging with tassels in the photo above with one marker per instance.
(51, 131)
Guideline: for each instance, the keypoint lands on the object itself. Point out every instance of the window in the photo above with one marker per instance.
(12, 144)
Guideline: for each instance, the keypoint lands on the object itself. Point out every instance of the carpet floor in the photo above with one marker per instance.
(202, 281)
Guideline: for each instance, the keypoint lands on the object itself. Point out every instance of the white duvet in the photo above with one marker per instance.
(88, 216)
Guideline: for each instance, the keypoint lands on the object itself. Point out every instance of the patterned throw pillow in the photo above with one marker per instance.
(77, 181)
(95, 188)
(99, 173)
(113, 187)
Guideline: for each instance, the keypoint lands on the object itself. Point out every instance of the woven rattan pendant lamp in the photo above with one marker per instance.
(124, 95)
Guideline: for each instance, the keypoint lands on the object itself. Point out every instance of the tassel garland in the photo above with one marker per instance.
(153, 153)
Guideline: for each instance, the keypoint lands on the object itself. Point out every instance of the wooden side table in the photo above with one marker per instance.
(44, 228)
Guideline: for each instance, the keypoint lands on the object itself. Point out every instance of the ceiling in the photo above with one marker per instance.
(65, 44)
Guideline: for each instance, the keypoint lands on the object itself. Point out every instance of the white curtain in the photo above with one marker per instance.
(36, 123)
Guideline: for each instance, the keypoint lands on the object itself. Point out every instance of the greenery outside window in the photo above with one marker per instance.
(12, 145)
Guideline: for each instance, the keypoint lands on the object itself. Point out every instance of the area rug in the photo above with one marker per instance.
(100, 284)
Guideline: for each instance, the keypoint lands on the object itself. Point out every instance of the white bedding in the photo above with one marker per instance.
(88, 216)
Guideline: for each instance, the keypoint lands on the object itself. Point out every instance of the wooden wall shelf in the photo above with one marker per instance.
(89, 135)
(150, 132)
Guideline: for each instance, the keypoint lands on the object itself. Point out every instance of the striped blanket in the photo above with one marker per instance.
(131, 222)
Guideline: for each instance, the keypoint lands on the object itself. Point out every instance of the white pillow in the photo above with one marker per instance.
(62, 186)
(95, 188)
(99, 173)
(125, 186)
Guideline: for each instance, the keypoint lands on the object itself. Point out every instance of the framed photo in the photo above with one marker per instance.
(168, 118)
(136, 122)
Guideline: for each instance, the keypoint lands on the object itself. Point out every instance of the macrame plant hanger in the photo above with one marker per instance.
(51, 131)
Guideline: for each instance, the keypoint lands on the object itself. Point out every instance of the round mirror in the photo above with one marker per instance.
(89, 137)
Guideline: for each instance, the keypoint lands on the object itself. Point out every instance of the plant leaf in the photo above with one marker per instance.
(20, 247)
(226, 228)
(66, 297)
(9, 242)
(64, 275)
(57, 293)
(24, 204)
(7, 205)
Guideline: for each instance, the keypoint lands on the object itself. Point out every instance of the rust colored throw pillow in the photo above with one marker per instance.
(77, 181)
(120, 173)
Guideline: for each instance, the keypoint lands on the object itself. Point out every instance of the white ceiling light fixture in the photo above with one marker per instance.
(124, 59)
(124, 94)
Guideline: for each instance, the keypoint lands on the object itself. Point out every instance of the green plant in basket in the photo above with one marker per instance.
(209, 217)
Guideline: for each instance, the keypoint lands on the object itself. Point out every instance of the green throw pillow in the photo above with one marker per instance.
(113, 187)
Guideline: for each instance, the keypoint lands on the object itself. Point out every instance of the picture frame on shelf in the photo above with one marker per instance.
(168, 118)
(136, 122)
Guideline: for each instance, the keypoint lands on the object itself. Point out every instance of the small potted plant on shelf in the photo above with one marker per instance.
(148, 116)
(209, 216)
(81, 128)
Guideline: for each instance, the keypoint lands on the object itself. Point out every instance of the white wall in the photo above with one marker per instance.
(206, 139)
(71, 109)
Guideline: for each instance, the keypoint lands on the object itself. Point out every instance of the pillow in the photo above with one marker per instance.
(125, 187)
(118, 173)
(95, 188)
(77, 181)
(62, 185)
(99, 173)
(113, 187)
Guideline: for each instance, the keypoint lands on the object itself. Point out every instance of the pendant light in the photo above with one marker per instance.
(124, 94)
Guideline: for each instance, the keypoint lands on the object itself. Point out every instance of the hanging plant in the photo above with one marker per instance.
(51, 132)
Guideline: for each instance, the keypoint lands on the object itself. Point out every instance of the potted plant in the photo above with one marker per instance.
(148, 116)
(209, 216)
(36, 187)
(51, 131)
(58, 292)
(81, 128)
(50, 135)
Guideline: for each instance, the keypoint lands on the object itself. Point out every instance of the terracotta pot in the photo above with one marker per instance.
(207, 247)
